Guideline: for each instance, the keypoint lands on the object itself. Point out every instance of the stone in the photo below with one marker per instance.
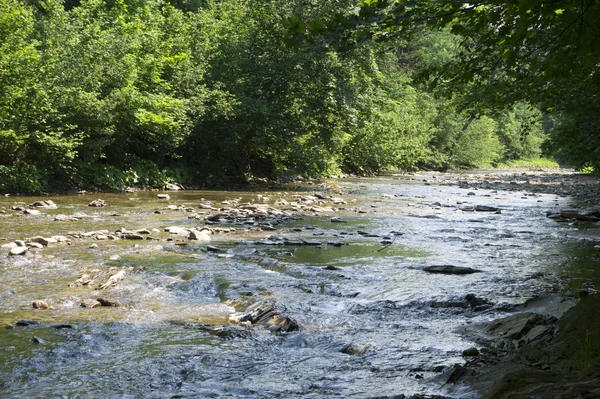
(264, 314)
(470, 352)
(41, 240)
(448, 269)
(201, 236)
(90, 303)
(353, 349)
(132, 236)
(17, 251)
(93, 246)
(26, 323)
(48, 204)
(108, 302)
(114, 258)
(38, 340)
(486, 208)
(97, 203)
(163, 196)
(177, 230)
(174, 187)
(37, 304)
(337, 219)
(31, 212)
(35, 245)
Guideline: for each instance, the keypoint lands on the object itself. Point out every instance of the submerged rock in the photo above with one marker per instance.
(448, 269)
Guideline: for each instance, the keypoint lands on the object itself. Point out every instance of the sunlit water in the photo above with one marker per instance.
(374, 297)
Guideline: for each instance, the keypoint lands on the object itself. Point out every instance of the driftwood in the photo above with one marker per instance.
(113, 280)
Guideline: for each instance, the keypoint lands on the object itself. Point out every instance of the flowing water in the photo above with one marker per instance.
(373, 322)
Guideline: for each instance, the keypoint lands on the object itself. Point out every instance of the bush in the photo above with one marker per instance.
(21, 178)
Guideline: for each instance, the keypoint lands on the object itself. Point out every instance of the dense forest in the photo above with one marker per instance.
(107, 94)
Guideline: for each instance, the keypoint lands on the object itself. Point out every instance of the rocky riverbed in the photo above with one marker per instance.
(428, 285)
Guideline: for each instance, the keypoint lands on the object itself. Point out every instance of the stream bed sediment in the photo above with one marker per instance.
(353, 288)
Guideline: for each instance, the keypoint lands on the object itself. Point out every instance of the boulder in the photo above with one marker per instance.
(163, 196)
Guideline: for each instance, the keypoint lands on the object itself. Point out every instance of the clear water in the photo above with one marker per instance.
(372, 296)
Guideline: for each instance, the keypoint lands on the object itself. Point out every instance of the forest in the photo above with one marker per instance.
(107, 94)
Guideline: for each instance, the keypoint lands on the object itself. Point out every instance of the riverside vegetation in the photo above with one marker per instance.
(110, 94)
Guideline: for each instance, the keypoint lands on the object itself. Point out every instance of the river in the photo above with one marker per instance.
(373, 322)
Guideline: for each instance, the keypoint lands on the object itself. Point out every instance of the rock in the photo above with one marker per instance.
(225, 332)
(570, 214)
(201, 236)
(485, 208)
(48, 204)
(523, 328)
(113, 280)
(26, 323)
(353, 349)
(132, 236)
(211, 248)
(474, 301)
(470, 352)
(265, 314)
(177, 230)
(62, 326)
(448, 269)
(38, 340)
(18, 251)
(35, 245)
(93, 246)
(31, 212)
(108, 302)
(163, 196)
(97, 203)
(114, 258)
(337, 219)
(90, 303)
(37, 304)
(41, 240)
(142, 231)
(174, 187)
(20, 243)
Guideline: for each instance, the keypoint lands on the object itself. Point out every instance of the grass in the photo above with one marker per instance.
(543, 163)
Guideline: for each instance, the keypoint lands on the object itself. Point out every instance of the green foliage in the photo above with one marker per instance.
(111, 94)
(21, 178)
